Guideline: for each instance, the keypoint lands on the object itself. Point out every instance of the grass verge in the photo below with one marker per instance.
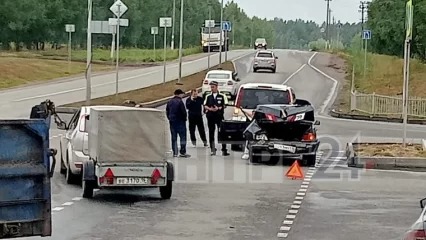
(154, 92)
(390, 150)
(127, 55)
(18, 71)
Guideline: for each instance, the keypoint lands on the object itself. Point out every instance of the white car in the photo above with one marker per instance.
(74, 146)
(227, 82)
(417, 230)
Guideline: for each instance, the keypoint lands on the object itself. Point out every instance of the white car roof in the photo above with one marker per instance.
(268, 85)
(219, 71)
(102, 107)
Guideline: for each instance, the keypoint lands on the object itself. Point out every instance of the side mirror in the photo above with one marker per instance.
(237, 79)
(62, 126)
(317, 122)
(276, 57)
(423, 203)
(234, 74)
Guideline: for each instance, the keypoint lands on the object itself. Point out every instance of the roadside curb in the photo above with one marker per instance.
(335, 114)
(385, 163)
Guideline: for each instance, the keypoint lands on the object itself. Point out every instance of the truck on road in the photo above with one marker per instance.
(25, 172)
(213, 39)
(127, 150)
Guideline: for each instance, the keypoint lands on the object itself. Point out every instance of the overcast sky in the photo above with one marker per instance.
(316, 10)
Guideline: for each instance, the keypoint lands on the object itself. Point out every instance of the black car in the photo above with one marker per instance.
(278, 132)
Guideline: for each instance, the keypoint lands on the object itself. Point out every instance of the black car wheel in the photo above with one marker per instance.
(309, 160)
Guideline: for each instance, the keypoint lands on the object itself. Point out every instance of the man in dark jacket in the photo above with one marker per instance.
(176, 113)
(194, 104)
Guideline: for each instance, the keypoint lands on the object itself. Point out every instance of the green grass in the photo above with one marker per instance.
(127, 55)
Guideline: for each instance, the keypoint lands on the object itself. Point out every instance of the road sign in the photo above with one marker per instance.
(123, 22)
(227, 26)
(165, 22)
(366, 34)
(70, 28)
(409, 20)
(154, 30)
(322, 30)
(102, 27)
(118, 5)
(209, 23)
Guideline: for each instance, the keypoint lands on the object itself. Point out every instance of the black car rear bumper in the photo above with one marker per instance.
(262, 148)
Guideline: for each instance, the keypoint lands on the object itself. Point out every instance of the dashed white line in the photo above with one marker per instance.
(297, 203)
(57, 209)
(68, 204)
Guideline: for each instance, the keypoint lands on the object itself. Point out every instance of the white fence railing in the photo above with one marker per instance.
(376, 104)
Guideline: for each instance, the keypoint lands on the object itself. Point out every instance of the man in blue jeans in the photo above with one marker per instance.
(176, 113)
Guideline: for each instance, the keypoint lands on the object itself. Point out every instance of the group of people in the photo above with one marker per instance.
(213, 105)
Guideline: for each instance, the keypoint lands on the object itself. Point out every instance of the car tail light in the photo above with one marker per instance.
(78, 165)
(206, 82)
(240, 98)
(309, 137)
(108, 177)
(291, 118)
(155, 176)
(415, 234)
(83, 124)
(230, 83)
(271, 117)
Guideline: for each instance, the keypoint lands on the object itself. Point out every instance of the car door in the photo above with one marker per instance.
(69, 133)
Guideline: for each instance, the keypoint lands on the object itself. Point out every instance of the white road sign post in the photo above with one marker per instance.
(209, 24)
(154, 31)
(165, 22)
(118, 8)
(366, 35)
(69, 28)
(89, 53)
(407, 49)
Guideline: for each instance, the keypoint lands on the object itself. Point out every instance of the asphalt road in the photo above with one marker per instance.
(224, 198)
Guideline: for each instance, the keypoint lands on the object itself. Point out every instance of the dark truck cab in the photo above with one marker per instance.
(276, 132)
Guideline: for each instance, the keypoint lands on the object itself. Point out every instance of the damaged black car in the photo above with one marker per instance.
(280, 132)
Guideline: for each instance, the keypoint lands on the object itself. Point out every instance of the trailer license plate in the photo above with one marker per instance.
(285, 148)
(132, 181)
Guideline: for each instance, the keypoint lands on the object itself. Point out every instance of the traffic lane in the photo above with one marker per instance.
(214, 198)
(16, 103)
(371, 205)
(370, 128)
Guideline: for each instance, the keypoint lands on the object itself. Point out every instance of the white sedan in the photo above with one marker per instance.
(227, 82)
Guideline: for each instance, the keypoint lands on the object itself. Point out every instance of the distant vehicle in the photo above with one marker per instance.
(227, 82)
(260, 43)
(248, 97)
(214, 40)
(417, 230)
(265, 60)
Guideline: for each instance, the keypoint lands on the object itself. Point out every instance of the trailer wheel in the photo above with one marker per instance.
(88, 187)
(166, 191)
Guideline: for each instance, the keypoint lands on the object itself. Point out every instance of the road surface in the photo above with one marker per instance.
(223, 198)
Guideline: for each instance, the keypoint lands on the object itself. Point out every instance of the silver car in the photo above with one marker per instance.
(265, 60)
(417, 230)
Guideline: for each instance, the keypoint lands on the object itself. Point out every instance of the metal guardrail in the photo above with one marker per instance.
(376, 104)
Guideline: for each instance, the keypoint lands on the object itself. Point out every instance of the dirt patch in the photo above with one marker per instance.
(390, 150)
(154, 92)
(336, 67)
(18, 71)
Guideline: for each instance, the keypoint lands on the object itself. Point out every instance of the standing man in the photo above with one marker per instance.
(176, 113)
(214, 105)
(194, 104)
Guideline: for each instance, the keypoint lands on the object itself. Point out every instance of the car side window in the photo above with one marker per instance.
(74, 121)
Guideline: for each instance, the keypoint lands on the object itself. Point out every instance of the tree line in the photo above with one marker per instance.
(29, 24)
(386, 20)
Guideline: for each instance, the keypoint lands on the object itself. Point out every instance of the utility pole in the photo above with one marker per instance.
(221, 35)
(327, 21)
(363, 6)
(172, 45)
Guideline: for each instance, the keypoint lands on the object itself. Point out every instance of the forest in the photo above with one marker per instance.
(32, 23)
(386, 20)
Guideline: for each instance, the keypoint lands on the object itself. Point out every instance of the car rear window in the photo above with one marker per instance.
(264, 55)
(260, 40)
(253, 97)
(219, 76)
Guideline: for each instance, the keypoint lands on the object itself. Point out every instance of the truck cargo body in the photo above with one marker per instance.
(25, 195)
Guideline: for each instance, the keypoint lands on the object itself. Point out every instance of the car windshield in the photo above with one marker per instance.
(260, 40)
(264, 55)
(212, 30)
(219, 76)
(253, 97)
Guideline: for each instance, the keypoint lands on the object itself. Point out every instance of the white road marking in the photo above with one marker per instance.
(67, 204)
(285, 229)
(57, 209)
(77, 198)
(292, 75)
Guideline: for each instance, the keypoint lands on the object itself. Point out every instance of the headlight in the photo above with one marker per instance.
(263, 44)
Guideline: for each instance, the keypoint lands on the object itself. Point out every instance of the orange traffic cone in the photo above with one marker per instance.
(295, 171)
